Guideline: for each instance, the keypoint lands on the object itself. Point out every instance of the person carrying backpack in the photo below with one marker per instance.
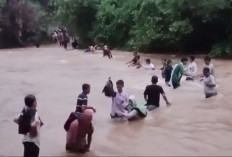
(29, 124)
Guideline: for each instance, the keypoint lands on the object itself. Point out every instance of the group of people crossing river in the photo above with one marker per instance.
(79, 126)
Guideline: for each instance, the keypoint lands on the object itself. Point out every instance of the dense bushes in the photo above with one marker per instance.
(23, 22)
(187, 26)
(149, 25)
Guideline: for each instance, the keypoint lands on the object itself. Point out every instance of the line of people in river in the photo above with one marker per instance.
(62, 37)
(79, 124)
(174, 74)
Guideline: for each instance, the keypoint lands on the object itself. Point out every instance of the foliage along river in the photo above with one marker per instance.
(191, 126)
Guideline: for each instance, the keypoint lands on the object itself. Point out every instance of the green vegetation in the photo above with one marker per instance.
(24, 22)
(196, 26)
(153, 25)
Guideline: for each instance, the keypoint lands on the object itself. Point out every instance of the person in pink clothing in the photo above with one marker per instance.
(79, 134)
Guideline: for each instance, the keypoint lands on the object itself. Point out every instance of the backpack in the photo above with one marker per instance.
(26, 117)
(108, 90)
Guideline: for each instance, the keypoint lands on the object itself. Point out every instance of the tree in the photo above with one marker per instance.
(22, 23)
(78, 16)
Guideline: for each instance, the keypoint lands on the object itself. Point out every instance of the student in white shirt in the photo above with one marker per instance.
(120, 101)
(31, 139)
(209, 83)
(191, 71)
(148, 65)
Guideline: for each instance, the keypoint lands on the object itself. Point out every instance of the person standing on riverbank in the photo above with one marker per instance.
(178, 72)
(152, 95)
(29, 125)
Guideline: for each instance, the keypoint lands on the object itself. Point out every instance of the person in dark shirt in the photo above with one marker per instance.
(82, 100)
(164, 63)
(168, 72)
(134, 60)
(152, 95)
(74, 43)
(107, 52)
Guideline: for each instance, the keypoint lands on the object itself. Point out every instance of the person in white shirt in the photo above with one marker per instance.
(148, 65)
(209, 83)
(208, 64)
(120, 101)
(191, 70)
(31, 138)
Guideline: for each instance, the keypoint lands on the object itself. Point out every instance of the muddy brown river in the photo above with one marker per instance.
(191, 126)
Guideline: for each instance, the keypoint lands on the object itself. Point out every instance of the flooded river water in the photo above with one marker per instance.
(191, 126)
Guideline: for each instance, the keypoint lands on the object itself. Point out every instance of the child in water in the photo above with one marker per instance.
(107, 52)
(119, 101)
(29, 125)
(191, 70)
(164, 63)
(209, 83)
(178, 72)
(82, 100)
(149, 65)
(208, 64)
(134, 110)
(134, 60)
(168, 72)
(79, 133)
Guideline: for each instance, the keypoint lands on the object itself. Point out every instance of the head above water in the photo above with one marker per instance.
(206, 72)
(132, 100)
(86, 88)
(154, 79)
(120, 85)
(30, 101)
(184, 61)
(148, 61)
(164, 61)
(135, 54)
(169, 62)
(191, 59)
(207, 60)
(105, 47)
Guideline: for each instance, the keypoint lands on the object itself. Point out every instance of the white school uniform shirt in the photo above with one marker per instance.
(211, 80)
(36, 139)
(119, 102)
(192, 69)
(149, 66)
(211, 69)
